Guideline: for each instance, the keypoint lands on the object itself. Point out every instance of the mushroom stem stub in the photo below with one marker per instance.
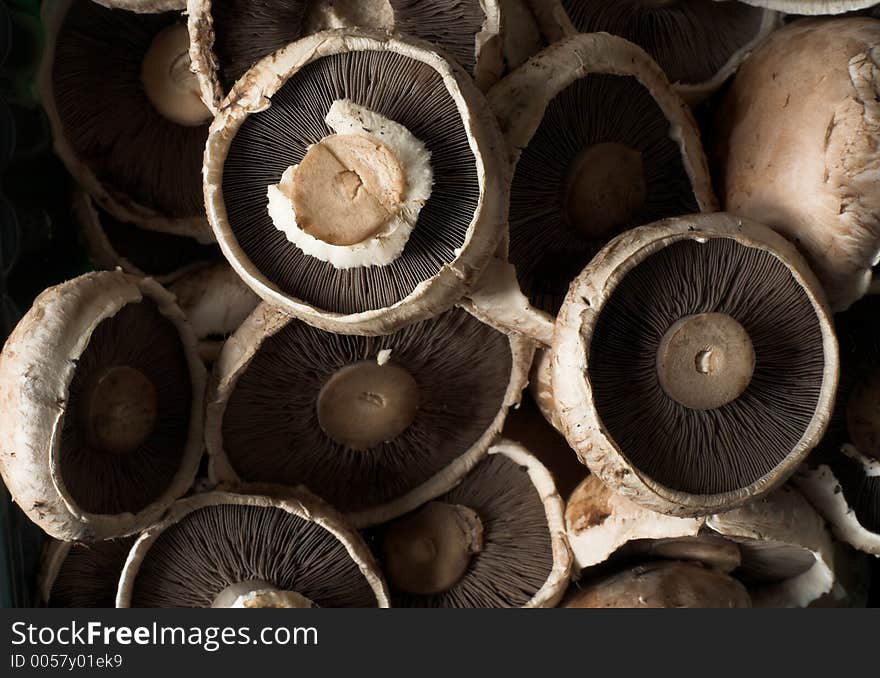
(429, 551)
(355, 197)
(258, 594)
(705, 361)
(863, 415)
(365, 404)
(121, 410)
(168, 80)
(604, 188)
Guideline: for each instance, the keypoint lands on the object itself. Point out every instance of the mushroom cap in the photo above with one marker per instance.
(266, 323)
(797, 147)
(520, 102)
(663, 585)
(494, 497)
(556, 23)
(253, 94)
(116, 202)
(216, 302)
(776, 533)
(574, 391)
(144, 6)
(812, 6)
(482, 58)
(786, 551)
(141, 252)
(520, 33)
(825, 492)
(297, 502)
(37, 366)
(81, 575)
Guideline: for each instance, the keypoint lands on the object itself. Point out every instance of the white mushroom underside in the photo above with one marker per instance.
(414, 159)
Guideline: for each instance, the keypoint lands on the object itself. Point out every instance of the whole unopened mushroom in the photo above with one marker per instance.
(82, 575)
(231, 550)
(813, 6)
(373, 425)
(600, 144)
(698, 44)
(797, 147)
(663, 585)
(111, 244)
(102, 393)
(370, 194)
(695, 364)
(216, 302)
(126, 113)
(843, 480)
(496, 539)
(230, 36)
(778, 545)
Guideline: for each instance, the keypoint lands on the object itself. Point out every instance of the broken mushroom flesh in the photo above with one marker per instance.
(370, 424)
(108, 431)
(495, 540)
(125, 112)
(224, 549)
(670, 409)
(416, 207)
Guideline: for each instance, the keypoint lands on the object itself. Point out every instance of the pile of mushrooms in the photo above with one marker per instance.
(336, 241)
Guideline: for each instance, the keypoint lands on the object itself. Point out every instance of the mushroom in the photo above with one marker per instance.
(384, 175)
(144, 6)
(695, 364)
(126, 113)
(813, 6)
(496, 539)
(600, 144)
(216, 302)
(778, 545)
(842, 480)
(663, 585)
(102, 392)
(796, 147)
(111, 243)
(373, 425)
(232, 550)
(82, 575)
(520, 33)
(698, 44)
(230, 36)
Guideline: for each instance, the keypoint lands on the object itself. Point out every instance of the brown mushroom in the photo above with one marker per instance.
(663, 585)
(376, 426)
(82, 575)
(111, 243)
(230, 36)
(496, 539)
(778, 545)
(652, 368)
(842, 480)
(600, 143)
(126, 113)
(216, 302)
(698, 44)
(223, 549)
(411, 129)
(102, 392)
(797, 147)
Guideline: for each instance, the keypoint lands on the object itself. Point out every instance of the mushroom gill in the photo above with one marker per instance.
(361, 421)
(234, 550)
(697, 43)
(735, 437)
(490, 542)
(126, 113)
(83, 575)
(432, 184)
